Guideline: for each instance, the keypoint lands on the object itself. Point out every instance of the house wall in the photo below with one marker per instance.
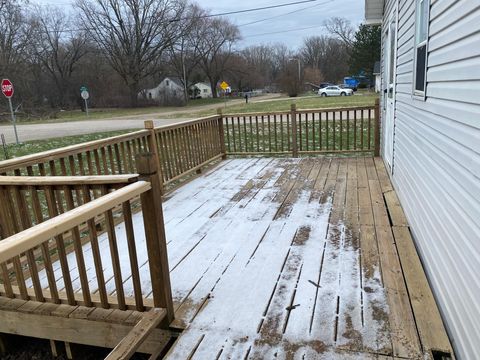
(437, 159)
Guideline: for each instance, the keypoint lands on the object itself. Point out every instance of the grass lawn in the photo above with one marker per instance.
(104, 113)
(283, 104)
(36, 146)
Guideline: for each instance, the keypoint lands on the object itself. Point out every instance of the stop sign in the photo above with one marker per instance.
(7, 88)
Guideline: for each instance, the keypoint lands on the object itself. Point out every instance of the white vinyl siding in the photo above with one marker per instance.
(437, 158)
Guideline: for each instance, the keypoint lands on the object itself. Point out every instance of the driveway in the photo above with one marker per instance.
(27, 132)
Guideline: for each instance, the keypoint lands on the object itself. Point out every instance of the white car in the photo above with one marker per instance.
(335, 91)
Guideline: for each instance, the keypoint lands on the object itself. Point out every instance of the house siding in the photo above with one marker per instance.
(437, 159)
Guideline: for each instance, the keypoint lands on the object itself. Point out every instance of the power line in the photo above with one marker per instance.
(282, 31)
(247, 10)
(285, 14)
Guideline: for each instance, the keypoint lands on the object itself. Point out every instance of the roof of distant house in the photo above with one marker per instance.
(173, 79)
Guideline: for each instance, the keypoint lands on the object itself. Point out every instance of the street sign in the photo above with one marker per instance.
(224, 86)
(85, 96)
(7, 88)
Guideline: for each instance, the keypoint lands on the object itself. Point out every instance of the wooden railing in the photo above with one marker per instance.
(294, 132)
(26, 201)
(180, 149)
(188, 146)
(38, 240)
(114, 155)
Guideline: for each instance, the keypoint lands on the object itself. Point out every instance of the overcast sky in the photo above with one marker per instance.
(307, 15)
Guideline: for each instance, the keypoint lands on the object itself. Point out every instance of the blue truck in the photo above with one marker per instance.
(351, 83)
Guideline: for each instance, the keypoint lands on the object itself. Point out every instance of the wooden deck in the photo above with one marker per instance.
(290, 258)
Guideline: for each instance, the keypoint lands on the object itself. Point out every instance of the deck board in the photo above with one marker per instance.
(284, 258)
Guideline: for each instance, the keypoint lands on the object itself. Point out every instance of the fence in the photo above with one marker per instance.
(37, 243)
(295, 132)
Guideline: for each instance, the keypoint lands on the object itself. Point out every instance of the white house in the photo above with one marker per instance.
(200, 90)
(168, 92)
(431, 145)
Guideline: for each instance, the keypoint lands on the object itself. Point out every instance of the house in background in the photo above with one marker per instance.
(200, 90)
(430, 100)
(377, 75)
(168, 92)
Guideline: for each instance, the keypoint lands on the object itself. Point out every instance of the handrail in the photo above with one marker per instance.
(306, 131)
(7, 165)
(184, 123)
(27, 257)
(67, 180)
(48, 155)
(28, 239)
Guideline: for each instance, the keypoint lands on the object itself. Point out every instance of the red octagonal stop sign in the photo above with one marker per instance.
(7, 88)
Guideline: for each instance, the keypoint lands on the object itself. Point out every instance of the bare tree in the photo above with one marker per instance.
(14, 35)
(260, 61)
(327, 54)
(133, 34)
(58, 49)
(184, 54)
(314, 50)
(342, 29)
(217, 39)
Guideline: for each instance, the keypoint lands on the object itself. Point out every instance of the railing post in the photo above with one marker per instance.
(377, 127)
(155, 234)
(293, 117)
(154, 149)
(221, 134)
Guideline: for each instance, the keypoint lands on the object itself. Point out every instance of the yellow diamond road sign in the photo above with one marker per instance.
(224, 85)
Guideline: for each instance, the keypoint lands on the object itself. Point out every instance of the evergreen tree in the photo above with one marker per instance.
(365, 50)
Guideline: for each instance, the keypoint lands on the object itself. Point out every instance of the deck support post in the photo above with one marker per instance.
(293, 117)
(221, 134)
(154, 224)
(154, 149)
(377, 127)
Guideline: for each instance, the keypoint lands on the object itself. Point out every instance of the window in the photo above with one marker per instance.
(205, 90)
(421, 40)
(168, 83)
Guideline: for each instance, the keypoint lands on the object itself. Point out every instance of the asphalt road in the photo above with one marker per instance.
(27, 132)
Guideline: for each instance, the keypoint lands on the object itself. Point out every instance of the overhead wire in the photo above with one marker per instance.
(247, 10)
(283, 31)
(243, 11)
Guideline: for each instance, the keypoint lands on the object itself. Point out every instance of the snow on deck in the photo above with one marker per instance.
(268, 258)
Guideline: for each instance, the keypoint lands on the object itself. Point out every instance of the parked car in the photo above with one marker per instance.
(324, 85)
(335, 91)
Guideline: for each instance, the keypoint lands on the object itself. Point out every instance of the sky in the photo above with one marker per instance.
(311, 15)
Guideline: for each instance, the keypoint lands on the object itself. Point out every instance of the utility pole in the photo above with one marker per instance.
(184, 77)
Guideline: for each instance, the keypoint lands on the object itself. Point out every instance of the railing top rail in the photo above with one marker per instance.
(330, 109)
(336, 108)
(258, 113)
(48, 155)
(67, 180)
(184, 123)
(38, 234)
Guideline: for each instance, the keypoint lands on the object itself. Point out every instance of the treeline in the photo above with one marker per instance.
(119, 47)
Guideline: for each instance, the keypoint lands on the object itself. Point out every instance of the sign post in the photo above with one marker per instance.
(85, 95)
(224, 87)
(7, 90)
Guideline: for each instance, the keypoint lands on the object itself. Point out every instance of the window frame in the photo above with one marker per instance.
(419, 94)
